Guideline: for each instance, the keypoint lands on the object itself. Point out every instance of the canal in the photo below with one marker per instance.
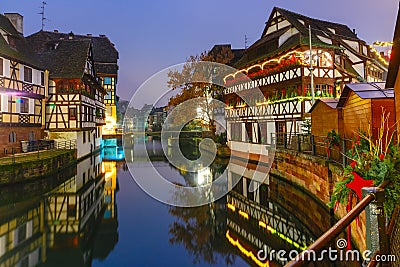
(94, 214)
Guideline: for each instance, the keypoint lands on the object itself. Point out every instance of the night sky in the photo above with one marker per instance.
(152, 35)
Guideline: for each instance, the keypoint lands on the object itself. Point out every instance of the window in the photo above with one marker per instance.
(108, 95)
(84, 137)
(12, 137)
(24, 105)
(21, 233)
(1, 67)
(28, 74)
(42, 78)
(107, 81)
(72, 113)
(236, 131)
(71, 210)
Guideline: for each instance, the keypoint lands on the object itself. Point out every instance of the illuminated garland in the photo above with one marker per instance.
(269, 228)
(383, 44)
(297, 54)
(247, 253)
(378, 55)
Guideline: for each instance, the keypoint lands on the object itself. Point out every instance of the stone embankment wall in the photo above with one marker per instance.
(317, 177)
(25, 171)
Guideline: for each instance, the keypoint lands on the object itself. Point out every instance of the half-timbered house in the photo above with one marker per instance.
(105, 57)
(75, 105)
(280, 64)
(22, 87)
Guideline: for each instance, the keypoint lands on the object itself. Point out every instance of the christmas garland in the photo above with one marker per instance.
(371, 163)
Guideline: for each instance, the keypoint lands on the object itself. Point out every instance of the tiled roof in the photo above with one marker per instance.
(67, 60)
(16, 46)
(267, 45)
(103, 50)
(316, 24)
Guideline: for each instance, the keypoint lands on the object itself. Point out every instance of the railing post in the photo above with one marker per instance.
(377, 239)
(344, 158)
(284, 135)
(272, 137)
(313, 145)
(298, 143)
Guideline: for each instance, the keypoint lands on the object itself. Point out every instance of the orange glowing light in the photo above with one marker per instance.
(245, 252)
(231, 207)
(244, 214)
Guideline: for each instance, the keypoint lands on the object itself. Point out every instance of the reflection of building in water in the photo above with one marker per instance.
(257, 223)
(62, 223)
(107, 231)
(111, 187)
(72, 211)
(21, 234)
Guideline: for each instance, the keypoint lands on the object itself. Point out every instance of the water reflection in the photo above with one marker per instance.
(72, 218)
(57, 220)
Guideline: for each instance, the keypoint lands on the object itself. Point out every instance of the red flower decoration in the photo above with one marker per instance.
(382, 156)
(353, 164)
(358, 183)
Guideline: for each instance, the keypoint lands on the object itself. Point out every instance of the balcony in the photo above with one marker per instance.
(13, 85)
(267, 80)
(100, 121)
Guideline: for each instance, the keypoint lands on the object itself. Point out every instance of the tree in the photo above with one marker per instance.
(195, 80)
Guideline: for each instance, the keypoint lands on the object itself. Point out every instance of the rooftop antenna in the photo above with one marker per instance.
(245, 41)
(42, 13)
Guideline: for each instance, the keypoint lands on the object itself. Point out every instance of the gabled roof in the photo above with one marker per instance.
(105, 55)
(330, 102)
(16, 46)
(68, 59)
(237, 53)
(267, 45)
(316, 24)
(6, 25)
(394, 63)
(365, 91)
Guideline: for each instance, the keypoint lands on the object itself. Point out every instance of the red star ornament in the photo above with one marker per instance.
(358, 183)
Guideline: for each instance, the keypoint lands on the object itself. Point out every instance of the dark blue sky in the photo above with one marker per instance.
(152, 35)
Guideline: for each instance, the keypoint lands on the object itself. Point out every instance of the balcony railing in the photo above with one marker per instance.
(268, 80)
(22, 86)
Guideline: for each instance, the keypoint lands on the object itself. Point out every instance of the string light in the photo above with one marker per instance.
(244, 251)
(376, 52)
(261, 65)
(269, 228)
(383, 44)
(244, 214)
(231, 207)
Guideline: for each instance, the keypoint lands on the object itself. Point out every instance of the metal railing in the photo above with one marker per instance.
(313, 145)
(341, 225)
(36, 149)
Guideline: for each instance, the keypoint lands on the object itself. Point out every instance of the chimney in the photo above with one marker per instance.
(17, 21)
(56, 31)
(71, 35)
(89, 35)
(354, 31)
(102, 35)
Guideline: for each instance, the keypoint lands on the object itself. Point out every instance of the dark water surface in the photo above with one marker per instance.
(94, 214)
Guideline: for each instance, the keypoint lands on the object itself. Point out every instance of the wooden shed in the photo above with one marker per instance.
(325, 117)
(362, 105)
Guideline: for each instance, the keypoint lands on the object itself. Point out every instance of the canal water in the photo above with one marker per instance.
(94, 214)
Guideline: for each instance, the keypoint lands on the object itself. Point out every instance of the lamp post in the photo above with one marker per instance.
(311, 69)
